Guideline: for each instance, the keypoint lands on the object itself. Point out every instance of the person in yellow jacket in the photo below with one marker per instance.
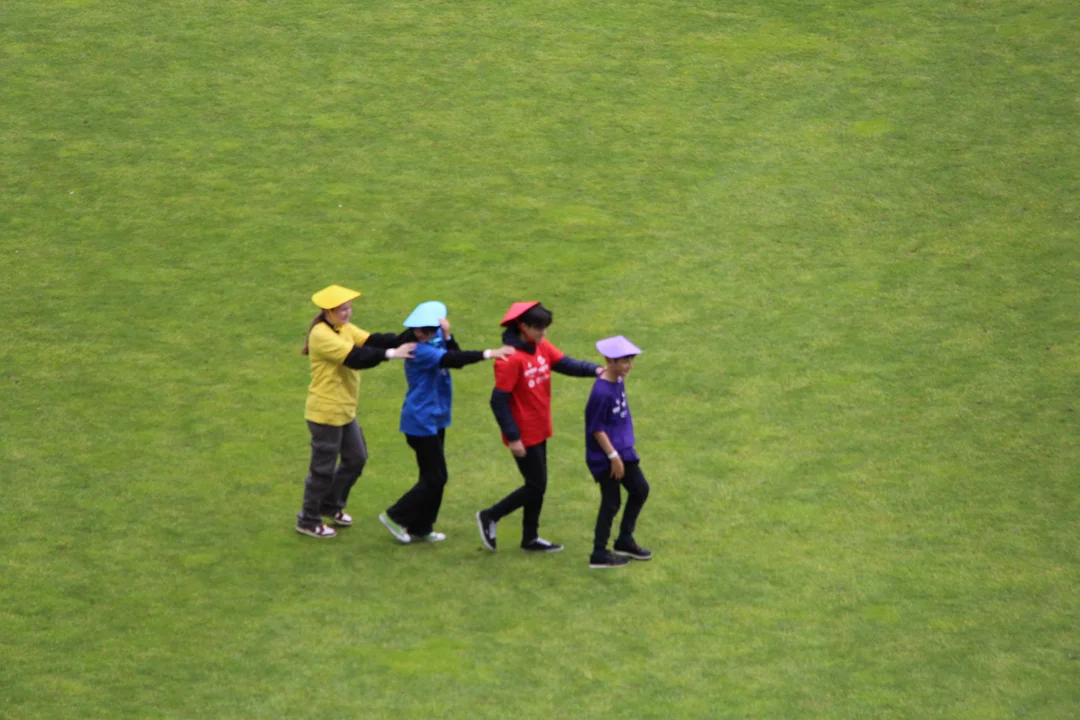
(338, 351)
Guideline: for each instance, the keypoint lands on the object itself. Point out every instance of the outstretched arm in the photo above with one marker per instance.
(455, 357)
(362, 357)
(461, 358)
(388, 340)
(577, 368)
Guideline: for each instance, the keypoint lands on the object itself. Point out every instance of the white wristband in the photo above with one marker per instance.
(613, 454)
(390, 353)
(487, 354)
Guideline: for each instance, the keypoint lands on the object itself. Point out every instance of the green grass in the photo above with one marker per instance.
(844, 233)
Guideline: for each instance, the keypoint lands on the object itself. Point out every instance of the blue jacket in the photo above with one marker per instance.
(426, 409)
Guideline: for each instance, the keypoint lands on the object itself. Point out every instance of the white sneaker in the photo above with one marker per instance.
(434, 536)
(342, 518)
(396, 530)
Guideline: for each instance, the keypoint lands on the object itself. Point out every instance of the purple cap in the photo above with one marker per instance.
(617, 347)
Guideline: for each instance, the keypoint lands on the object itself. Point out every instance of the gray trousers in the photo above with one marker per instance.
(327, 486)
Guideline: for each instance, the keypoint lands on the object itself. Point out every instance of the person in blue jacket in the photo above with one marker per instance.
(425, 415)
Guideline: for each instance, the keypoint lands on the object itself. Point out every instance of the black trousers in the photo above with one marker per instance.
(529, 496)
(327, 486)
(418, 508)
(637, 492)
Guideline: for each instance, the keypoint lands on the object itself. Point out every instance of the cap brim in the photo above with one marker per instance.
(517, 310)
(617, 347)
(333, 296)
(426, 314)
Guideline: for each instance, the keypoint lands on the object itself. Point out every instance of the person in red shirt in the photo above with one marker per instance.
(521, 402)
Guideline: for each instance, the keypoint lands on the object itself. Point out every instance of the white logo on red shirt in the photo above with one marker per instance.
(538, 373)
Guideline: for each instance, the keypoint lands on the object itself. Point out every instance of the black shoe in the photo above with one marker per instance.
(487, 530)
(540, 545)
(606, 560)
(632, 550)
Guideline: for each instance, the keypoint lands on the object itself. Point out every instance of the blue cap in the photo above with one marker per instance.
(426, 314)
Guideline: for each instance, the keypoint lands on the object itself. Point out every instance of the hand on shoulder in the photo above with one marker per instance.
(401, 352)
(504, 352)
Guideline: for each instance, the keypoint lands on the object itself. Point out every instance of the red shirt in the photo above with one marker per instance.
(528, 380)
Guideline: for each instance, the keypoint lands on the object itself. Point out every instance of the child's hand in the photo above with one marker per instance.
(517, 448)
(617, 468)
(402, 352)
(504, 352)
(445, 325)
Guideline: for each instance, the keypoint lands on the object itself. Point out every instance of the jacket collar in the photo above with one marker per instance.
(512, 337)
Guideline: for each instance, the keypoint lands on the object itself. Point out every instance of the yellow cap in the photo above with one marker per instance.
(330, 297)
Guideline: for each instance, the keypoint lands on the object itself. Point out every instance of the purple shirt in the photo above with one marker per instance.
(607, 410)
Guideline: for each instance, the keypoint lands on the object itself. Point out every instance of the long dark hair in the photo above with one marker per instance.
(318, 319)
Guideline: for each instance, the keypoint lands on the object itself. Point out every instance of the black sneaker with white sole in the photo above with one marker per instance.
(606, 559)
(540, 545)
(487, 529)
(632, 550)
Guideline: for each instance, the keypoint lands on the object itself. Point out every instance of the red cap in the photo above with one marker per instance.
(517, 310)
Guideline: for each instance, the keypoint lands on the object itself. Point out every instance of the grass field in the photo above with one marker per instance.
(845, 234)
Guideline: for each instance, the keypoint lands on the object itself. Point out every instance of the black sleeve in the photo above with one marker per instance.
(451, 344)
(387, 340)
(460, 358)
(362, 356)
(578, 368)
(500, 405)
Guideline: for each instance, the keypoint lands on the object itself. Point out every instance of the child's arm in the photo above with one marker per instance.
(506, 378)
(567, 365)
(617, 467)
(458, 358)
(388, 340)
(500, 406)
(362, 357)
(455, 357)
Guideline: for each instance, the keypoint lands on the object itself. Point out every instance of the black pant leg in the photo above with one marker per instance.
(537, 480)
(434, 476)
(533, 468)
(637, 492)
(417, 508)
(610, 500)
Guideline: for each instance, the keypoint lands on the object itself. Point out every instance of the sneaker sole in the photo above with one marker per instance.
(483, 537)
(604, 567)
(543, 552)
(403, 538)
(623, 553)
(314, 534)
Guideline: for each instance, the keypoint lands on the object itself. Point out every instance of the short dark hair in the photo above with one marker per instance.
(537, 316)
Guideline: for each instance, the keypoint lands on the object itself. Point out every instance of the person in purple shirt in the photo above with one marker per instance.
(610, 455)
